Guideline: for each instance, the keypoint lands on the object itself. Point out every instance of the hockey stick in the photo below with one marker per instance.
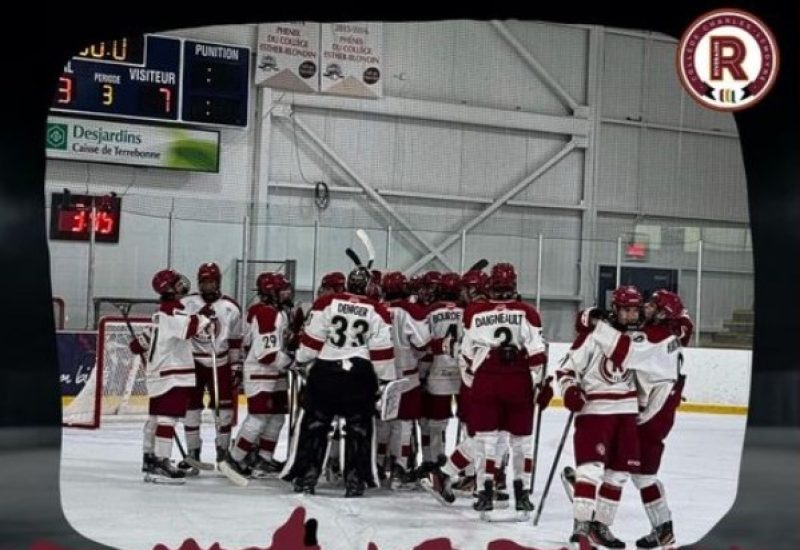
(353, 256)
(480, 265)
(553, 468)
(215, 379)
(536, 439)
(365, 240)
(538, 422)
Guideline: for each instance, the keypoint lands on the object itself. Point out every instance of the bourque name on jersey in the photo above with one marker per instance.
(351, 309)
(499, 319)
(446, 316)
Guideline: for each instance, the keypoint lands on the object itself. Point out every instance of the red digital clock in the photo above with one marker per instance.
(71, 217)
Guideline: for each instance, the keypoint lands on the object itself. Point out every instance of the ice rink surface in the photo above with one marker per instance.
(104, 497)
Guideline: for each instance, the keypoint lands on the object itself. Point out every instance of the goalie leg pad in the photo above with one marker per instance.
(311, 441)
(358, 449)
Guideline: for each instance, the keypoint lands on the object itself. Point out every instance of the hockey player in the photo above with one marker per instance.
(428, 287)
(410, 334)
(226, 349)
(660, 385)
(332, 283)
(445, 321)
(348, 338)
(502, 354)
(600, 390)
(461, 460)
(170, 375)
(265, 382)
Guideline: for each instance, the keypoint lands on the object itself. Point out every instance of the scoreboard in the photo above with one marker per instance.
(160, 78)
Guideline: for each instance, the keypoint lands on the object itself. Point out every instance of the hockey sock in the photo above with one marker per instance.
(149, 439)
(248, 434)
(269, 435)
(608, 496)
(588, 476)
(425, 437)
(223, 438)
(191, 427)
(521, 462)
(383, 432)
(165, 430)
(654, 499)
(485, 453)
(461, 458)
(437, 430)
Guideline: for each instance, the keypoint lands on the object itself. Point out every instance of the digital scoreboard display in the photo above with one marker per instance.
(158, 78)
(72, 220)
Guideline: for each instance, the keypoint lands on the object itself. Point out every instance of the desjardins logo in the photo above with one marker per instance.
(56, 137)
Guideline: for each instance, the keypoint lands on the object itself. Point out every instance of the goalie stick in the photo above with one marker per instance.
(365, 240)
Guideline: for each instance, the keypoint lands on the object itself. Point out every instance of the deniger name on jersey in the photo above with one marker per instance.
(351, 309)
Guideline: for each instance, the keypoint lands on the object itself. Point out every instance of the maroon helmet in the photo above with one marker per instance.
(209, 270)
(450, 284)
(475, 281)
(334, 281)
(668, 302)
(431, 279)
(626, 296)
(395, 283)
(165, 280)
(503, 277)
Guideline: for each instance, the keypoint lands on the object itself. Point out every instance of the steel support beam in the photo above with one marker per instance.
(437, 111)
(535, 66)
(369, 190)
(498, 202)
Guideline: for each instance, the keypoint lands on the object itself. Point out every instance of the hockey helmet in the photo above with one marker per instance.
(164, 281)
(503, 277)
(626, 296)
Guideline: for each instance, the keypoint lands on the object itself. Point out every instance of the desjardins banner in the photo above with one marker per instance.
(87, 140)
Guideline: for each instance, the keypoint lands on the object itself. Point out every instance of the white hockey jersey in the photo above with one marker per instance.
(266, 361)
(227, 330)
(410, 334)
(490, 324)
(169, 357)
(653, 353)
(446, 323)
(342, 326)
(609, 385)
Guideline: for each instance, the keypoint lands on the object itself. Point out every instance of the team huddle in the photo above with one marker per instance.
(463, 346)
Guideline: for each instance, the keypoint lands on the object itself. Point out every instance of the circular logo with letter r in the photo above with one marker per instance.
(727, 60)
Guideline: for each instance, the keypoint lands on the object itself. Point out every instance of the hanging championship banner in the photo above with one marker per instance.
(350, 59)
(288, 56)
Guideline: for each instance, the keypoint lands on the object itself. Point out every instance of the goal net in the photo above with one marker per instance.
(116, 386)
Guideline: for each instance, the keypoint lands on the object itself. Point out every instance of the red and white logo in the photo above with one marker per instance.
(727, 60)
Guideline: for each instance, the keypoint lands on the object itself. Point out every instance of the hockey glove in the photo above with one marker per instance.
(136, 347)
(544, 393)
(574, 398)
